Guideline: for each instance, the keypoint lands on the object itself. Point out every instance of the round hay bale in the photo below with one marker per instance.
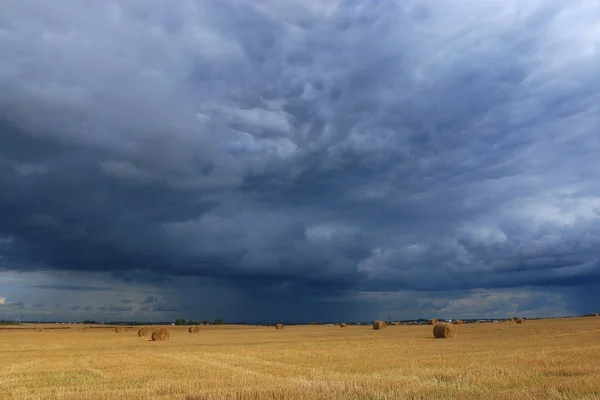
(395, 323)
(194, 329)
(444, 331)
(457, 322)
(343, 325)
(378, 325)
(144, 331)
(519, 320)
(432, 321)
(160, 335)
(118, 329)
(279, 326)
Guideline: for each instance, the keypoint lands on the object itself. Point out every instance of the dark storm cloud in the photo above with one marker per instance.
(164, 308)
(303, 148)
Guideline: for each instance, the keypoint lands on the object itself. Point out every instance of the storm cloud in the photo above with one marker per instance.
(336, 155)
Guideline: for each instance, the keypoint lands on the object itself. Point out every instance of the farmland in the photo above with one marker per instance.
(537, 359)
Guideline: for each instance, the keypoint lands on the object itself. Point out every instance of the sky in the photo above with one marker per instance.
(299, 160)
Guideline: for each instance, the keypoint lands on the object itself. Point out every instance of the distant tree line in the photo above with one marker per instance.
(183, 321)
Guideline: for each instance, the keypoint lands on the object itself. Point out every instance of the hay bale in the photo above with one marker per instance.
(395, 323)
(378, 325)
(144, 331)
(194, 329)
(457, 322)
(279, 326)
(519, 320)
(160, 335)
(118, 329)
(444, 331)
(343, 325)
(432, 321)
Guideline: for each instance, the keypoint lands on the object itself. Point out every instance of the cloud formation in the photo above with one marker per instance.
(303, 149)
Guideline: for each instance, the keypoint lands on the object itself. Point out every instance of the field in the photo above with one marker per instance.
(549, 359)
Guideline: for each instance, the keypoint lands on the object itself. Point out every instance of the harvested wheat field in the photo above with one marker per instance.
(550, 359)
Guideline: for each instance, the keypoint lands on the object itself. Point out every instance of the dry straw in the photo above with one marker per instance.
(144, 331)
(279, 326)
(395, 323)
(444, 331)
(458, 322)
(194, 329)
(432, 321)
(343, 325)
(118, 329)
(519, 320)
(378, 325)
(39, 329)
(160, 335)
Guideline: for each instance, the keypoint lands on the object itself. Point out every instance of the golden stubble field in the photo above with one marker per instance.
(550, 359)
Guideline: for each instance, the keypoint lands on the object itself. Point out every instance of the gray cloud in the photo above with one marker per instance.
(305, 151)
(114, 309)
(72, 287)
(150, 300)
